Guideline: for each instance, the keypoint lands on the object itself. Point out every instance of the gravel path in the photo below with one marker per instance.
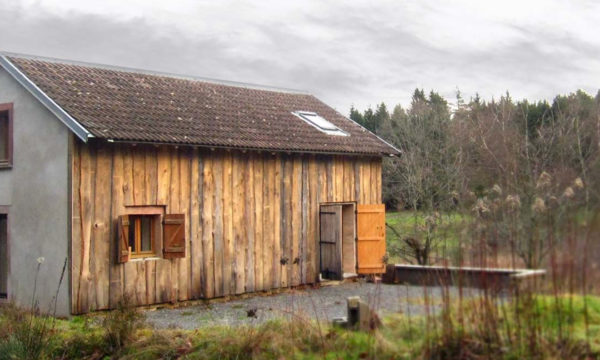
(324, 303)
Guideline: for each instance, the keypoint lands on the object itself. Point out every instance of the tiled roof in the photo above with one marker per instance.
(127, 105)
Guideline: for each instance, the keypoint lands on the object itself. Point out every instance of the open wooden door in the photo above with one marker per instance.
(370, 244)
(331, 242)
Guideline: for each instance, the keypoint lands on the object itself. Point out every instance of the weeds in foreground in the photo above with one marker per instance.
(481, 328)
(28, 334)
(120, 325)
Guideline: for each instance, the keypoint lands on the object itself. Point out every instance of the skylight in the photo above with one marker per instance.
(320, 123)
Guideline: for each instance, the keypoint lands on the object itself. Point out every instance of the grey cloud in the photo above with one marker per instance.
(360, 59)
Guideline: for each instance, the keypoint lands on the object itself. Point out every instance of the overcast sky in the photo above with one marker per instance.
(346, 53)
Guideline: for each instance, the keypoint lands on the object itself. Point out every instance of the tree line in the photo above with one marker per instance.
(521, 174)
(453, 154)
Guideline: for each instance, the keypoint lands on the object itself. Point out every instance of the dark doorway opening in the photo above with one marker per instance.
(338, 240)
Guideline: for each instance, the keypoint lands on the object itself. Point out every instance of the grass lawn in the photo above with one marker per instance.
(540, 327)
(447, 234)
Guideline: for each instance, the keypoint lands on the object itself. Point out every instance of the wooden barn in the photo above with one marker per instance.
(164, 188)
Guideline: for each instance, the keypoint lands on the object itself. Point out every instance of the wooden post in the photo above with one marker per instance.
(360, 316)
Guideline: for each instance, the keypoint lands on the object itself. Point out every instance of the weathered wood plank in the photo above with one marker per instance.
(140, 281)
(373, 187)
(311, 259)
(208, 218)
(219, 248)
(296, 221)
(365, 181)
(128, 176)
(196, 206)
(304, 239)
(130, 273)
(357, 180)
(139, 175)
(277, 223)
(228, 241)
(86, 189)
(285, 234)
(164, 176)
(378, 180)
(240, 242)
(150, 282)
(338, 178)
(101, 228)
(248, 221)
(151, 173)
(118, 208)
(268, 219)
(330, 179)
(348, 181)
(324, 185)
(259, 211)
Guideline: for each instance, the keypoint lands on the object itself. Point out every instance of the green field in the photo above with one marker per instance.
(450, 229)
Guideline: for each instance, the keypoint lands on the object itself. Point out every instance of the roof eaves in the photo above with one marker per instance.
(398, 151)
(54, 108)
(251, 148)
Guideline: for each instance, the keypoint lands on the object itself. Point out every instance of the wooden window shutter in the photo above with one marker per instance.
(124, 252)
(174, 236)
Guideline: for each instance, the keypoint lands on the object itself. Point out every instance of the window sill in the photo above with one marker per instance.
(5, 165)
(149, 258)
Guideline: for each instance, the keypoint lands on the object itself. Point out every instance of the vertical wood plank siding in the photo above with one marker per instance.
(245, 213)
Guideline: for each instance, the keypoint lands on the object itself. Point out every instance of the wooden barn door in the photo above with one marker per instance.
(331, 242)
(370, 238)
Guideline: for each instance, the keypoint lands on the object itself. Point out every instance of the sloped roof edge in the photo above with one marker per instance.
(81, 132)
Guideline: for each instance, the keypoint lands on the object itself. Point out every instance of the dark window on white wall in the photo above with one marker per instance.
(3, 256)
(6, 119)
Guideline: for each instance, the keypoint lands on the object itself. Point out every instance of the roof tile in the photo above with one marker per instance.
(123, 105)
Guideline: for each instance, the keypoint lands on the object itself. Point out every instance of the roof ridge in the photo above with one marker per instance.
(156, 73)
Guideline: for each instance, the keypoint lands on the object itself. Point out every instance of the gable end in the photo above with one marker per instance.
(62, 115)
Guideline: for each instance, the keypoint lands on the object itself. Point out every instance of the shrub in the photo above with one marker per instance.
(121, 324)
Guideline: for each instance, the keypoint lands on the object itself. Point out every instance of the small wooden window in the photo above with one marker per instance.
(146, 231)
(6, 115)
(142, 235)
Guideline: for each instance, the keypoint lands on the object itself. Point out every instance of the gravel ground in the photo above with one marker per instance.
(324, 303)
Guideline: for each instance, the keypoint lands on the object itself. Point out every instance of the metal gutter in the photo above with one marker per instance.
(54, 108)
